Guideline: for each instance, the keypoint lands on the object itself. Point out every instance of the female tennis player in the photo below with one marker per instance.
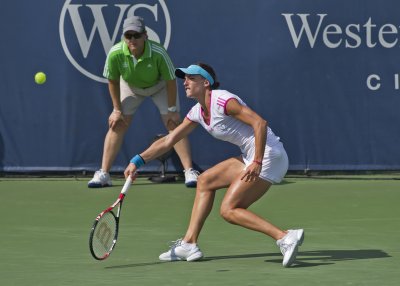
(248, 177)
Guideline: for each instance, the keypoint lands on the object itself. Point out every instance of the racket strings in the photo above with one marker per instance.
(104, 235)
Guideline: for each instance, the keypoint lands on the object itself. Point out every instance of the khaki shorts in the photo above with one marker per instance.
(132, 97)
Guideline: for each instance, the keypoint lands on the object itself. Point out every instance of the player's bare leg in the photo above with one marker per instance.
(217, 177)
(239, 197)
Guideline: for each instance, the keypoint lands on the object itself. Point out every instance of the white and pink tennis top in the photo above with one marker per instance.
(227, 128)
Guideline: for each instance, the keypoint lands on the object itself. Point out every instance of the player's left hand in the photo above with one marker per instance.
(252, 172)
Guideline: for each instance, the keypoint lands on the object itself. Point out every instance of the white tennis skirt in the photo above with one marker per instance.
(274, 165)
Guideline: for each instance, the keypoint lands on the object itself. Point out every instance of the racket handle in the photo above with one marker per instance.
(126, 186)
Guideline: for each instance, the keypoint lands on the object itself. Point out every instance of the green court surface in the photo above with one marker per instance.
(351, 226)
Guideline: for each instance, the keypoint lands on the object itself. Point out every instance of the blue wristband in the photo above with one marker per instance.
(138, 161)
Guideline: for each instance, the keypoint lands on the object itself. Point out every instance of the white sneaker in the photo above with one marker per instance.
(289, 245)
(181, 250)
(191, 177)
(100, 179)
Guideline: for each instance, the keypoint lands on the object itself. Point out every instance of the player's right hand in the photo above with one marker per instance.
(130, 171)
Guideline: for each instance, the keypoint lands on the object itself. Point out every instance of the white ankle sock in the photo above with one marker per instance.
(188, 245)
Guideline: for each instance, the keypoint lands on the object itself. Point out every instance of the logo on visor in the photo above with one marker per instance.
(88, 29)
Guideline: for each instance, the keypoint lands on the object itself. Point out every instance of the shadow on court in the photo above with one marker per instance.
(135, 265)
(327, 257)
(304, 258)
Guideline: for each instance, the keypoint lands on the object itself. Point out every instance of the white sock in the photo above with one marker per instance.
(188, 245)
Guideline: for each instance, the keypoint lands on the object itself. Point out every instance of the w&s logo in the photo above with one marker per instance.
(88, 29)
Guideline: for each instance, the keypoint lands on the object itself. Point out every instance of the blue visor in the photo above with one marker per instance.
(194, 69)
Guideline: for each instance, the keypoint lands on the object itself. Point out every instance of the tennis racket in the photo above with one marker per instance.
(104, 233)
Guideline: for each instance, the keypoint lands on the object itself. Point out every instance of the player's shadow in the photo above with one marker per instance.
(304, 258)
(134, 265)
(327, 257)
(314, 258)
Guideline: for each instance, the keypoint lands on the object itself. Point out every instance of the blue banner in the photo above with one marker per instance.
(324, 74)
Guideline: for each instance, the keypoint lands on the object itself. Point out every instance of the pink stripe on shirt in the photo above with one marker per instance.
(226, 102)
(221, 102)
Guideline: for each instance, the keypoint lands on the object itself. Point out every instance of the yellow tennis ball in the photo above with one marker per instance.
(40, 78)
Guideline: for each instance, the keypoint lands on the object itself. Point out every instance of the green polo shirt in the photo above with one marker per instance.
(150, 68)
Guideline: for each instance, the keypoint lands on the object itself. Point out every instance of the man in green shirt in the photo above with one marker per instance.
(138, 68)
